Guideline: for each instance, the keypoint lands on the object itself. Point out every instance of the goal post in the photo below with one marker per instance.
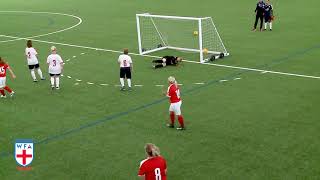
(191, 34)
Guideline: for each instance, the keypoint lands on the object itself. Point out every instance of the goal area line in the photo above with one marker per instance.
(151, 56)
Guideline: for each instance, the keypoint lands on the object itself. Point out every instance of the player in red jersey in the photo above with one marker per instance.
(173, 93)
(155, 166)
(3, 72)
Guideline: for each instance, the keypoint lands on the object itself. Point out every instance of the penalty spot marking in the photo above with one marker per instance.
(195, 62)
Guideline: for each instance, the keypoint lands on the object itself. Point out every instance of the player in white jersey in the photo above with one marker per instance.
(32, 61)
(125, 62)
(55, 64)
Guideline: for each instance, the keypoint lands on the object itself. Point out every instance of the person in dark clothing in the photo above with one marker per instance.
(259, 14)
(268, 13)
(166, 61)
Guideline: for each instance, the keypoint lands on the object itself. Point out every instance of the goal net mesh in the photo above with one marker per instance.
(156, 33)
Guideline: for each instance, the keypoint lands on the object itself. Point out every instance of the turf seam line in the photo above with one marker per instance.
(111, 117)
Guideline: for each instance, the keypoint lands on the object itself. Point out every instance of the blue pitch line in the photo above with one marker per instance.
(286, 58)
(117, 115)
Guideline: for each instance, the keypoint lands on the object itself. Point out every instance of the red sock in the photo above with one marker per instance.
(2, 92)
(172, 117)
(8, 89)
(180, 119)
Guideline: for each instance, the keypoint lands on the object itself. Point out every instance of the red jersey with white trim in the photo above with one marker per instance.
(173, 93)
(153, 168)
(3, 70)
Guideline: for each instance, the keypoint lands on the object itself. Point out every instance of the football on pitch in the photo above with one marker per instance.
(195, 33)
(205, 51)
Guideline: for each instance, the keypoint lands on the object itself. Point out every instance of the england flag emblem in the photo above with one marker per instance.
(23, 151)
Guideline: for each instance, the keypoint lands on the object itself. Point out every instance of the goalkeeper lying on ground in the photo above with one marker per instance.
(166, 61)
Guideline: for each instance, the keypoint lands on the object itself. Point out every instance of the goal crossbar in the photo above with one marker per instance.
(170, 17)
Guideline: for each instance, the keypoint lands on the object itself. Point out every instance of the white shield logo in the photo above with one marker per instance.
(23, 151)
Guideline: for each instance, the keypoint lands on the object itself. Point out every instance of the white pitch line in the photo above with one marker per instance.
(69, 77)
(47, 34)
(223, 80)
(236, 78)
(138, 85)
(180, 84)
(159, 85)
(199, 83)
(79, 80)
(83, 53)
(104, 84)
(195, 62)
(91, 83)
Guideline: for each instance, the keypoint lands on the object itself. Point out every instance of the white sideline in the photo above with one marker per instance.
(135, 54)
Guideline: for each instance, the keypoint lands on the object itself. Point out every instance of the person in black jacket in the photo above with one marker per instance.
(166, 61)
(259, 14)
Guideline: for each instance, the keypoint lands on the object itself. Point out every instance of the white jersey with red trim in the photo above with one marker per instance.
(55, 63)
(125, 60)
(31, 54)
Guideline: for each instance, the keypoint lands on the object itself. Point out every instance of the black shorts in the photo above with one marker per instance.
(125, 72)
(54, 74)
(35, 66)
(267, 18)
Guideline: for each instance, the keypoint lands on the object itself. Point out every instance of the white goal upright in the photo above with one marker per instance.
(199, 35)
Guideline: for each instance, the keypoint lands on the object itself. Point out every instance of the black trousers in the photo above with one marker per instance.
(157, 61)
(258, 16)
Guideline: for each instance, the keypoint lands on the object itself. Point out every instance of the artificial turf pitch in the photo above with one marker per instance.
(253, 126)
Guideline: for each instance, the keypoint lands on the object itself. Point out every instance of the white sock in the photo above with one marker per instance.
(265, 25)
(33, 75)
(270, 24)
(122, 82)
(129, 83)
(40, 73)
(57, 81)
(52, 81)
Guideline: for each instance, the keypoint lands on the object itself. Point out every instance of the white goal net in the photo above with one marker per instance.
(199, 35)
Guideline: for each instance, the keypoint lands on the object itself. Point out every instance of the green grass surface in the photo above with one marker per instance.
(263, 126)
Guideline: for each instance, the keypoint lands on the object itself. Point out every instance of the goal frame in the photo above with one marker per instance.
(165, 46)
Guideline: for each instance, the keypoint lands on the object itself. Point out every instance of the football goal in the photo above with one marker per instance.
(198, 35)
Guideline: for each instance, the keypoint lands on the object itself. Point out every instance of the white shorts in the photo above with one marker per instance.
(175, 107)
(2, 82)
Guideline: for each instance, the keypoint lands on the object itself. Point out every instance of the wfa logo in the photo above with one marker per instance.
(23, 151)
